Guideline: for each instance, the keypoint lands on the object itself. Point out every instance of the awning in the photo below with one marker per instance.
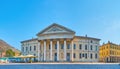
(30, 56)
(27, 56)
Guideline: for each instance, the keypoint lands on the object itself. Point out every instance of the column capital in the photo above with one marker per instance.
(68, 39)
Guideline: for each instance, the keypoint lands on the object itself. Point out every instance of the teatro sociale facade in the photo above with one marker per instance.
(58, 43)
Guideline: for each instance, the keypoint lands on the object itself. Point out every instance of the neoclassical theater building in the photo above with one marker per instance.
(58, 43)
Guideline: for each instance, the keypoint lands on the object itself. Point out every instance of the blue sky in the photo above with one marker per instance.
(23, 19)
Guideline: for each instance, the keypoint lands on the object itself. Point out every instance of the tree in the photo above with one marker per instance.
(10, 53)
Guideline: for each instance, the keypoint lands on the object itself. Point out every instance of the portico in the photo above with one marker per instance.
(54, 40)
(54, 49)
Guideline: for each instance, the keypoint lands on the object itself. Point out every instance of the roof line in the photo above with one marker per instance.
(29, 40)
(87, 37)
(54, 24)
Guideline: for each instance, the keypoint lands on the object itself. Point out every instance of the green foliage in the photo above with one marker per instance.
(10, 53)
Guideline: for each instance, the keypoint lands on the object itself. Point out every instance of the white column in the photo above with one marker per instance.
(44, 50)
(57, 50)
(72, 50)
(38, 51)
(64, 50)
(51, 50)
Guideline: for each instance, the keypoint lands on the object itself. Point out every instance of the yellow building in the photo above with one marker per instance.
(109, 52)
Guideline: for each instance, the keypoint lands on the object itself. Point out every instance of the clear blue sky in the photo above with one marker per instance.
(23, 19)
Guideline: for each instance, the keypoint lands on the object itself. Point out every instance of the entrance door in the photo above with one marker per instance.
(68, 57)
(55, 57)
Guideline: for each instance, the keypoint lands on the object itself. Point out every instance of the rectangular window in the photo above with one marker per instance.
(80, 46)
(91, 56)
(96, 48)
(91, 47)
(62, 46)
(80, 56)
(34, 48)
(74, 55)
(30, 48)
(85, 47)
(86, 55)
(96, 56)
(68, 46)
(83, 55)
(74, 46)
(55, 46)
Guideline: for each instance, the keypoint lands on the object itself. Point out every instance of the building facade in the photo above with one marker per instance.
(109, 52)
(58, 43)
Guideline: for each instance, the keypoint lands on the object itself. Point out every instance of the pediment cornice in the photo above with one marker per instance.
(55, 28)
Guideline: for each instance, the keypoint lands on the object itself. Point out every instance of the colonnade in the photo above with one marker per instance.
(51, 49)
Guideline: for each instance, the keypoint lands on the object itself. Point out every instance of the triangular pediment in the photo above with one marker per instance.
(55, 28)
